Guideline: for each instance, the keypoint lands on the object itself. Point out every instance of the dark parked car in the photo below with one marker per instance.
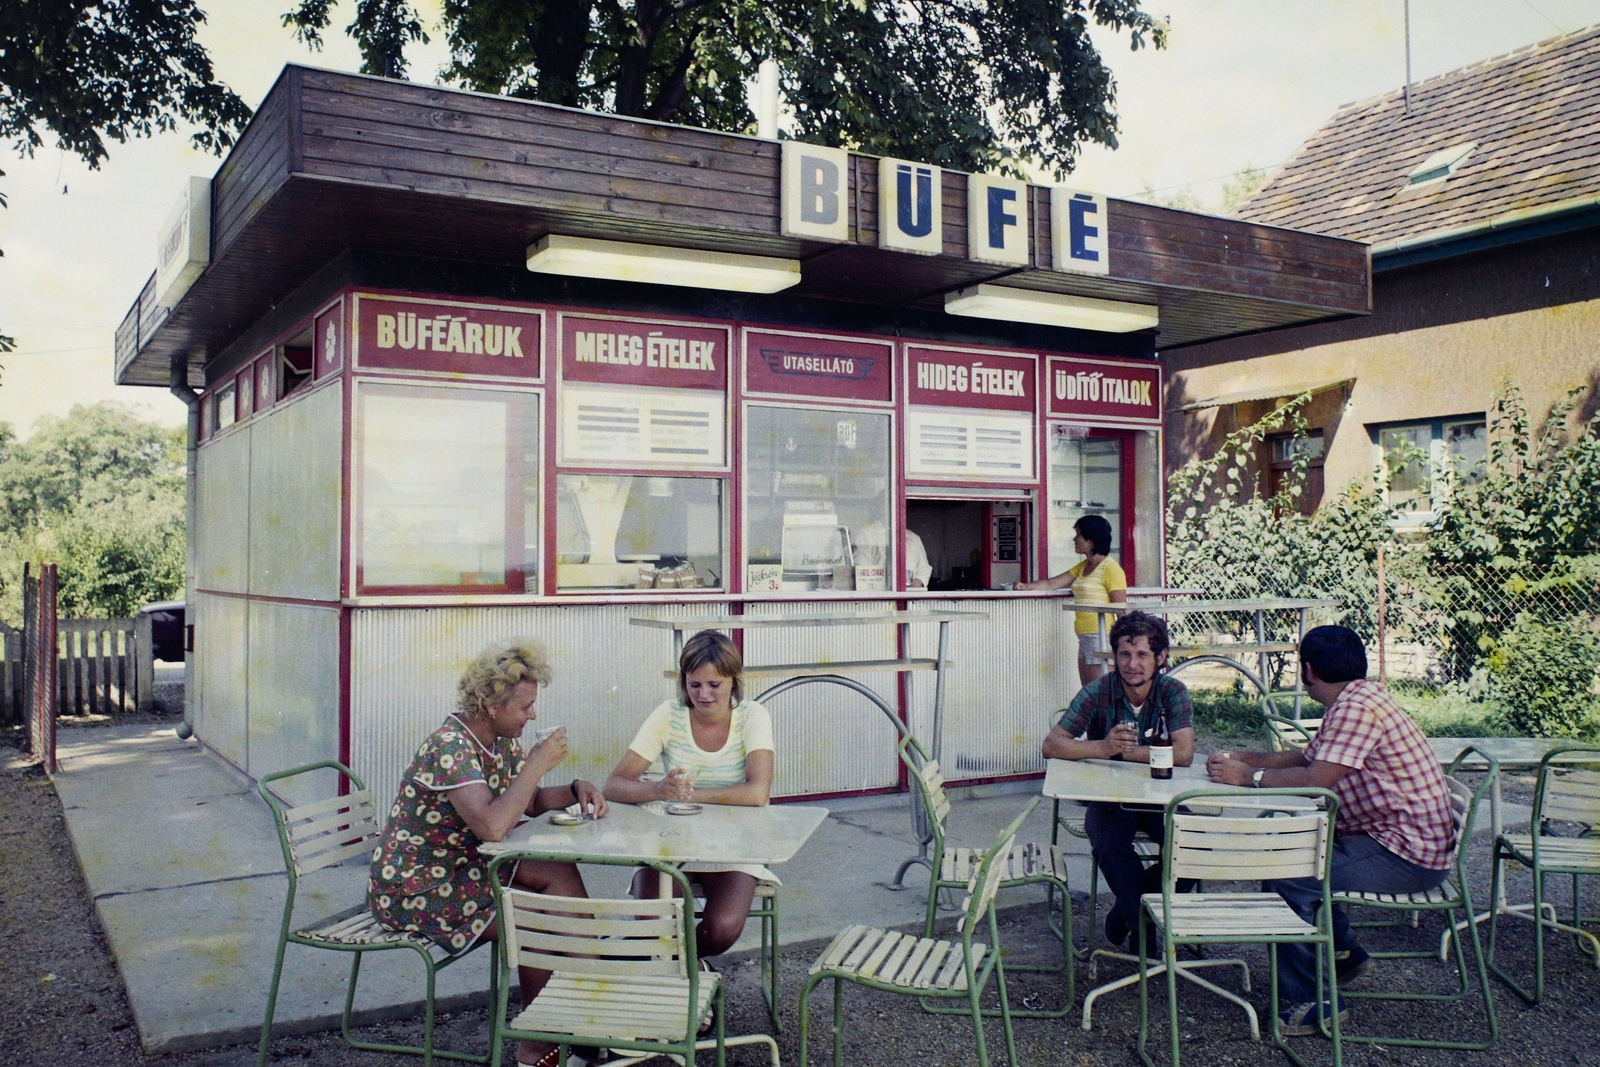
(166, 629)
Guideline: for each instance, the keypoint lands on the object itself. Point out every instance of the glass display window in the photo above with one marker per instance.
(817, 501)
(1113, 473)
(449, 489)
(636, 532)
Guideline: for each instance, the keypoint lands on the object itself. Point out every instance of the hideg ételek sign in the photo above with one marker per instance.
(1000, 211)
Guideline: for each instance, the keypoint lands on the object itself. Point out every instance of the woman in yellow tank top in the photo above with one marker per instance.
(1096, 580)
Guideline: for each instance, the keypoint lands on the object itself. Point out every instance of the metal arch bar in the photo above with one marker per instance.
(1255, 680)
(921, 828)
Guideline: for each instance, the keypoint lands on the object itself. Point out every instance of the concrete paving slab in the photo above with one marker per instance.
(184, 868)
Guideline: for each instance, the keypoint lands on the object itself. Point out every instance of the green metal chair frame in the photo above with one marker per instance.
(765, 909)
(866, 961)
(1040, 867)
(1076, 829)
(1452, 897)
(324, 834)
(1573, 796)
(1176, 863)
(602, 969)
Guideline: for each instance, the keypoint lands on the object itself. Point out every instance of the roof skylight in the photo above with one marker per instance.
(1440, 165)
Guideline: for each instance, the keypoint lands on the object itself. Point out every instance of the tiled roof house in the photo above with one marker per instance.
(1481, 202)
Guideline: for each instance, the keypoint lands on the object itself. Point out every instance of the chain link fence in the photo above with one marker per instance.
(1524, 637)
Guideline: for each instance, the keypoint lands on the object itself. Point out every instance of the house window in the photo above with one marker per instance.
(1283, 453)
(1419, 460)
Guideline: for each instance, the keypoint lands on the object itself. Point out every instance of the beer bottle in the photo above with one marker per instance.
(1160, 742)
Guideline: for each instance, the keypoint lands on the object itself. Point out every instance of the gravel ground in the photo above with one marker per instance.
(65, 1005)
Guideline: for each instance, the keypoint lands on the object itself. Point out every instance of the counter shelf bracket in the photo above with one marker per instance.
(921, 828)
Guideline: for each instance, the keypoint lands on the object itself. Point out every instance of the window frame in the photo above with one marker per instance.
(1435, 493)
(725, 545)
(534, 549)
(895, 517)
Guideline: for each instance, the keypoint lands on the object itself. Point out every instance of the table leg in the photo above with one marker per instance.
(938, 690)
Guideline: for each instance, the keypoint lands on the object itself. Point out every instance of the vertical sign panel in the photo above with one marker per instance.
(1079, 241)
(816, 192)
(327, 341)
(997, 220)
(643, 393)
(971, 414)
(910, 212)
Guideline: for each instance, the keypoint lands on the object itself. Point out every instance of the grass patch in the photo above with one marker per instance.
(1231, 715)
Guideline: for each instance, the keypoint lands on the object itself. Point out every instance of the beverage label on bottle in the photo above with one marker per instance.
(1161, 757)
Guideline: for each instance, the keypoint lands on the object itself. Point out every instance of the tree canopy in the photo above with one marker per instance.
(983, 85)
(86, 70)
(102, 491)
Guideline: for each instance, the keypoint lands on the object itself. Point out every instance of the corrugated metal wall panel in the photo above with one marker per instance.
(293, 677)
(295, 472)
(405, 664)
(828, 738)
(222, 509)
(221, 629)
(1011, 672)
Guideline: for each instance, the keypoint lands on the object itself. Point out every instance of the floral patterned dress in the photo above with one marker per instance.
(427, 874)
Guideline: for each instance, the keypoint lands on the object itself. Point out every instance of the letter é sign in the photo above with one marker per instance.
(909, 209)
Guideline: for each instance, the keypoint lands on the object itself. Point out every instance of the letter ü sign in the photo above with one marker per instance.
(909, 215)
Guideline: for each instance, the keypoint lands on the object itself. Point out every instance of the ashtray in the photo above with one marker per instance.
(683, 809)
(563, 818)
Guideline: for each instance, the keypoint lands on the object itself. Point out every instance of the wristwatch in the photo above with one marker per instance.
(1255, 779)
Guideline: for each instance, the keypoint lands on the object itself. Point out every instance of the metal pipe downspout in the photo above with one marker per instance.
(179, 386)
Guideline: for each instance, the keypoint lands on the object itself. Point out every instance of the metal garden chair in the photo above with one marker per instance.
(1022, 865)
(323, 834)
(921, 967)
(1561, 795)
(625, 973)
(1295, 844)
(1454, 898)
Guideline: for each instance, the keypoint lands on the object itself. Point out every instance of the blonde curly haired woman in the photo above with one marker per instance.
(470, 782)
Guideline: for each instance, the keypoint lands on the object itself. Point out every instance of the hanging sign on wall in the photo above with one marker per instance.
(447, 337)
(1103, 390)
(670, 355)
(962, 378)
(801, 364)
(971, 415)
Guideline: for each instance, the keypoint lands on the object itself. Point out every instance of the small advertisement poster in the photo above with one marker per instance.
(960, 443)
(448, 337)
(817, 365)
(635, 352)
(1103, 390)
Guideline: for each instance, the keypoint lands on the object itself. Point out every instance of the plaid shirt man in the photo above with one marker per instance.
(1102, 704)
(1395, 792)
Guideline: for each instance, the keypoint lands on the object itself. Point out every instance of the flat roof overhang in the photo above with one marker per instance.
(335, 161)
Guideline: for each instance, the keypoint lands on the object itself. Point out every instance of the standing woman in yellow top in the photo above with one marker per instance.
(1097, 580)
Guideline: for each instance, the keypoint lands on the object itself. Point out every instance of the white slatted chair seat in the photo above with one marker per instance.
(640, 1008)
(902, 960)
(1025, 861)
(1220, 914)
(357, 926)
(1556, 851)
(1444, 893)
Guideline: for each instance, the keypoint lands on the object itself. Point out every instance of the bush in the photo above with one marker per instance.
(1543, 676)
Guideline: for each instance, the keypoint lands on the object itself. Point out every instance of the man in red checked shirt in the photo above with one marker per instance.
(1394, 832)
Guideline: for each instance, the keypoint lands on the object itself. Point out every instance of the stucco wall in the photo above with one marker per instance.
(1441, 339)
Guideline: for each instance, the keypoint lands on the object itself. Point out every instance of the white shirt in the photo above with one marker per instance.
(918, 569)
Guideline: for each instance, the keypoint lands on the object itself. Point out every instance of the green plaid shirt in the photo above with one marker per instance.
(1101, 704)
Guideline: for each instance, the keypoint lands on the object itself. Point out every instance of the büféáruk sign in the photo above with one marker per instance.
(448, 337)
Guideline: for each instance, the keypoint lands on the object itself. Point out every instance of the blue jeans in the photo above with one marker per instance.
(1360, 864)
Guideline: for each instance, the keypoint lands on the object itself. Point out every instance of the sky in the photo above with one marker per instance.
(1242, 84)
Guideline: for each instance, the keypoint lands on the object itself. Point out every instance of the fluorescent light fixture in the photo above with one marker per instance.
(1051, 309)
(621, 261)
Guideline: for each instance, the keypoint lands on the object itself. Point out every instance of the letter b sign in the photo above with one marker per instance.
(815, 192)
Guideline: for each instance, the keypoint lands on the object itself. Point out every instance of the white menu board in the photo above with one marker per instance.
(614, 426)
(967, 444)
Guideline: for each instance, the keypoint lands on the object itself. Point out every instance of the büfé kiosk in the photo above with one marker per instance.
(462, 367)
